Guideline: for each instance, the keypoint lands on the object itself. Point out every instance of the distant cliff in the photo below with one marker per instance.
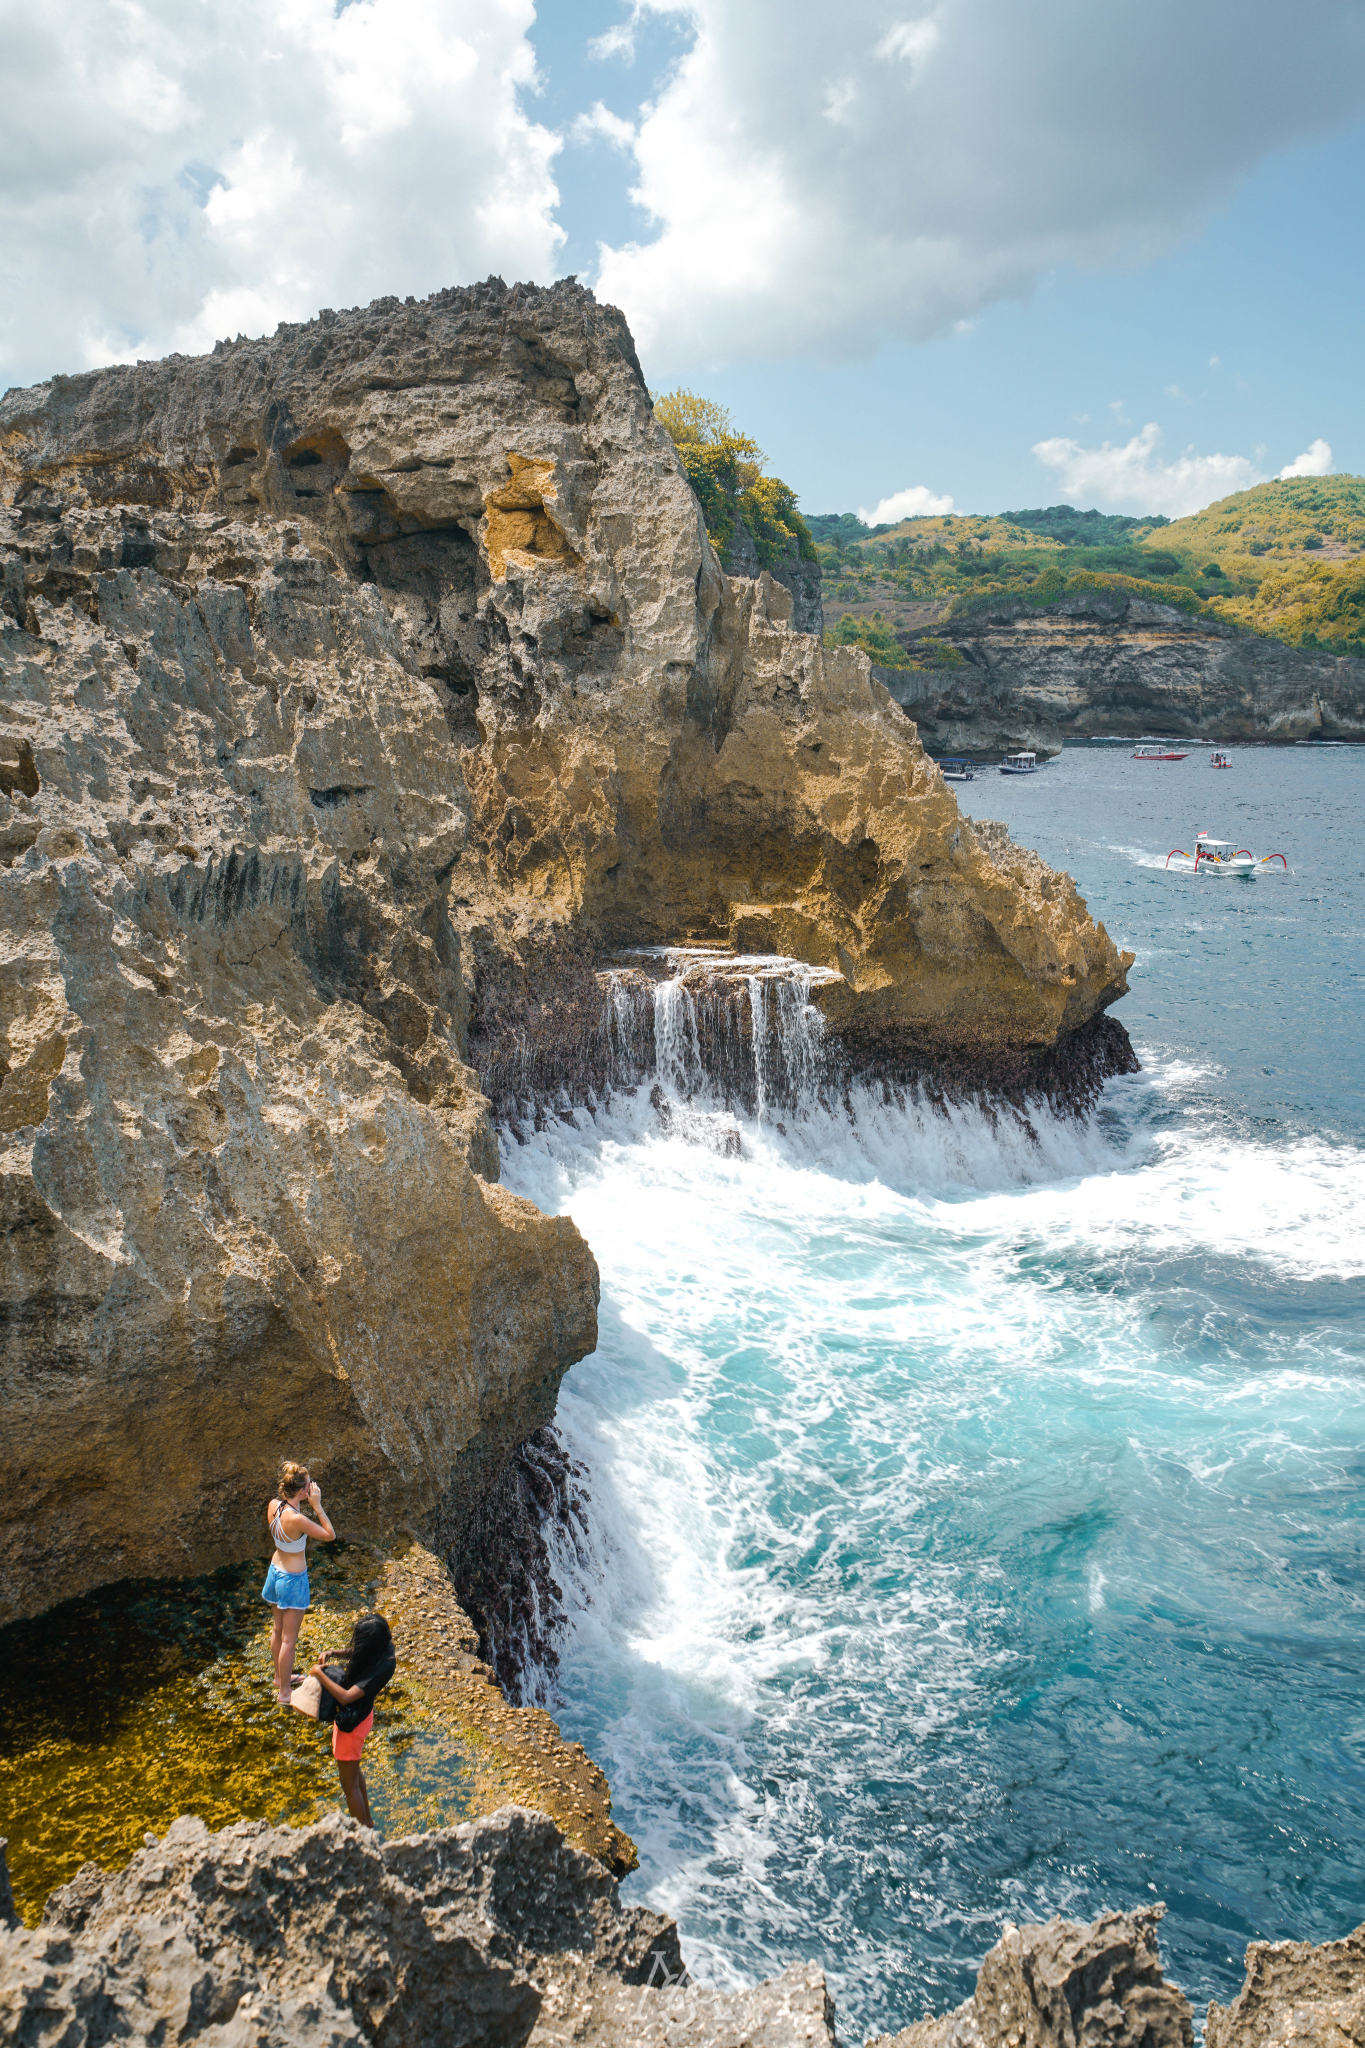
(1100, 661)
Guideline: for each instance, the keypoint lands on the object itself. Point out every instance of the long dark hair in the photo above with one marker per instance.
(371, 1643)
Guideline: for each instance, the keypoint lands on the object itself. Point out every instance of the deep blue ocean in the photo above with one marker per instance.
(977, 1512)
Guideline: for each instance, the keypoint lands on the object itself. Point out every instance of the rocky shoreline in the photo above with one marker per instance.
(500, 1931)
(365, 693)
(375, 723)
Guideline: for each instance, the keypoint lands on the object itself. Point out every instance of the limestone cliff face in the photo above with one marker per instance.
(803, 580)
(1103, 662)
(359, 685)
(249, 1185)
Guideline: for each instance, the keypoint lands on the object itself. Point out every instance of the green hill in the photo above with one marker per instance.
(1084, 529)
(1286, 559)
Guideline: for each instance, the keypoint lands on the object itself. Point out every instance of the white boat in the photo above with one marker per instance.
(1219, 858)
(1019, 764)
(954, 770)
(1219, 761)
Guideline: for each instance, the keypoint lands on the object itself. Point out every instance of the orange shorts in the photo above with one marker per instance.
(347, 1748)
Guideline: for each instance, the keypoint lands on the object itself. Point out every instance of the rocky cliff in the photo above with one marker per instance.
(500, 1932)
(497, 1932)
(801, 579)
(1103, 662)
(360, 691)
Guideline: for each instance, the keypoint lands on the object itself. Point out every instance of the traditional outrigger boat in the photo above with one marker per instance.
(1219, 857)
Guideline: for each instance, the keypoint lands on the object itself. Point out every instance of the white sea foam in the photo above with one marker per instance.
(834, 1365)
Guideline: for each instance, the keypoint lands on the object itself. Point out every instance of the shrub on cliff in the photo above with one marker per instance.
(875, 639)
(1053, 585)
(878, 641)
(727, 472)
(1321, 604)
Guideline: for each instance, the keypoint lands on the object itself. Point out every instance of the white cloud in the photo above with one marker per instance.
(1215, 362)
(819, 178)
(617, 41)
(915, 502)
(600, 124)
(913, 42)
(1132, 477)
(1316, 460)
(171, 174)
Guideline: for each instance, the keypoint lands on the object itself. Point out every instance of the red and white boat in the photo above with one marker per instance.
(1219, 858)
(1219, 761)
(1158, 750)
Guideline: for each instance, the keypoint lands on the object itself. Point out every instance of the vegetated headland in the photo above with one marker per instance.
(1245, 621)
(1286, 559)
(1039, 625)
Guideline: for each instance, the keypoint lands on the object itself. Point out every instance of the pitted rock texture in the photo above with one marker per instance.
(1296, 1996)
(651, 753)
(1104, 662)
(495, 1932)
(361, 690)
(1063, 1986)
(249, 1183)
(512, 1754)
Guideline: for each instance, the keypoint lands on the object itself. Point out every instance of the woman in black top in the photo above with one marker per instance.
(370, 1664)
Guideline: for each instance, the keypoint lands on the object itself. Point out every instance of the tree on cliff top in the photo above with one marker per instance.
(726, 470)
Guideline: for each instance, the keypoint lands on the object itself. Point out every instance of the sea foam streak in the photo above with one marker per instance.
(960, 1524)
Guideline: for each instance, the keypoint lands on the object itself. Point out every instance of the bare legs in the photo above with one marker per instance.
(283, 1636)
(353, 1785)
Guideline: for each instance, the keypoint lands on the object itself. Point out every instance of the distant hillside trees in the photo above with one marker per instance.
(1076, 529)
(727, 471)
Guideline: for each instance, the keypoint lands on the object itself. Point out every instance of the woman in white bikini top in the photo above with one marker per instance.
(291, 1544)
(286, 1584)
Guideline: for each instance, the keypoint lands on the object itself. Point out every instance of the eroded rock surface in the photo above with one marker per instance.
(1296, 1996)
(1103, 662)
(512, 1754)
(1063, 1986)
(249, 1182)
(495, 1932)
(651, 752)
(361, 691)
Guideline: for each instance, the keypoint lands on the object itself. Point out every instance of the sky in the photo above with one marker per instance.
(967, 255)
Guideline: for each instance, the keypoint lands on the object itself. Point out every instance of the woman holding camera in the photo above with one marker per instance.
(286, 1583)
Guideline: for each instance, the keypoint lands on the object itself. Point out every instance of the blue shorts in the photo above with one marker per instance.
(285, 1589)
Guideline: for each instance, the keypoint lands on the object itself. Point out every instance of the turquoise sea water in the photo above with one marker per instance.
(977, 1520)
